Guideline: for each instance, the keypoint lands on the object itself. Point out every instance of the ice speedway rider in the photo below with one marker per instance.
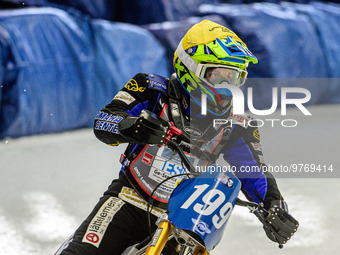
(209, 56)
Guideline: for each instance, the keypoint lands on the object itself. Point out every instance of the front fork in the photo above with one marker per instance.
(160, 238)
(162, 235)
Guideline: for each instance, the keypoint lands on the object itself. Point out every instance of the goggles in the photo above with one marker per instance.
(219, 75)
(231, 75)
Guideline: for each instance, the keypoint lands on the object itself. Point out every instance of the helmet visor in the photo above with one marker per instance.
(221, 74)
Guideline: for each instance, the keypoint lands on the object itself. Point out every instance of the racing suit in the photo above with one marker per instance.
(144, 165)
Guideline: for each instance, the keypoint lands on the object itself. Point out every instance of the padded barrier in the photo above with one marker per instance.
(137, 11)
(170, 33)
(99, 9)
(58, 70)
(289, 47)
(301, 42)
(37, 95)
(22, 3)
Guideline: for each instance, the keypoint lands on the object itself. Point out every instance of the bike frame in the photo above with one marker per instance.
(198, 210)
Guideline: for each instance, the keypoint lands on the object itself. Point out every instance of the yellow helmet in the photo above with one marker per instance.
(209, 55)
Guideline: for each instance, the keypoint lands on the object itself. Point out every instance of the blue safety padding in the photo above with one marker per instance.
(100, 9)
(300, 42)
(326, 19)
(58, 70)
(127, 11)
(156, 11)
(123, 50)
(171, 33)
(24, 3)
(288, 47)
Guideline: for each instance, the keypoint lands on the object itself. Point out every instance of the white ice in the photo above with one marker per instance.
(49, 184)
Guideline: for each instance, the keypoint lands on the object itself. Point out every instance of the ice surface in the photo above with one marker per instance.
(50, 183)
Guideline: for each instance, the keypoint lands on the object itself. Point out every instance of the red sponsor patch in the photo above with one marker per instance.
(147, 159)
(92, 237)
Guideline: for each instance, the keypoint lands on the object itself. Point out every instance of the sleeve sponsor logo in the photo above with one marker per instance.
(107, 122)
(100, 222)
(124, 97)
(108, 117)
(132, 85)
(107, 126)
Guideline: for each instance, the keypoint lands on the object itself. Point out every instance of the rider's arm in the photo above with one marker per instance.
(124, 108)
(245, 155)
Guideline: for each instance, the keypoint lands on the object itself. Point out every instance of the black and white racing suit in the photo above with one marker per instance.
(119, 219)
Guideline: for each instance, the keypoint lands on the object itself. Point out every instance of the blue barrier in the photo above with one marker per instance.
(58, 69)
(326, 19)
(99, 9)
(65, 69)
(170, 33)
(288, 47)
(122, 50)
(23, 3)
(297, 44)
(136, 11)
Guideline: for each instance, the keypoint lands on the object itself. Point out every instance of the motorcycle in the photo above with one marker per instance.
(198, 209)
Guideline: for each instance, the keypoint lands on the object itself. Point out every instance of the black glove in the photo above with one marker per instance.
(147, 128)
(278, 224)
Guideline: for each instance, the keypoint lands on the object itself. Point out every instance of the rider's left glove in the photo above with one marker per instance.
(147, 128)
(278, 224)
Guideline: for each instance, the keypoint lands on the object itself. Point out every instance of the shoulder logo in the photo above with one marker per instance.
(158, 82)
(256, 134)
(132, 85)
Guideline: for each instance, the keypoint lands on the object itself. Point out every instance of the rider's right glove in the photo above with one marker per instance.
(147, 128)
(278, 224)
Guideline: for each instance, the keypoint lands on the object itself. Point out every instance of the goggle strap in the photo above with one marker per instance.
(186, 59)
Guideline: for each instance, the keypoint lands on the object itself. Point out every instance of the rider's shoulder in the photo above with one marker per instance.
(142, 82)
(148, 81)
(241, 119)
(157, 82)
(246, 125)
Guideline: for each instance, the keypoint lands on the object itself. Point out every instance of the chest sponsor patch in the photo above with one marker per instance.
(100, 222)
(147, 158)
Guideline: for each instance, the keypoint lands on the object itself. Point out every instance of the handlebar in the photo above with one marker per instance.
(173, 132)
(252, 206)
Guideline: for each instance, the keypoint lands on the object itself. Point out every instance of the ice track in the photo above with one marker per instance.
(49, 183)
